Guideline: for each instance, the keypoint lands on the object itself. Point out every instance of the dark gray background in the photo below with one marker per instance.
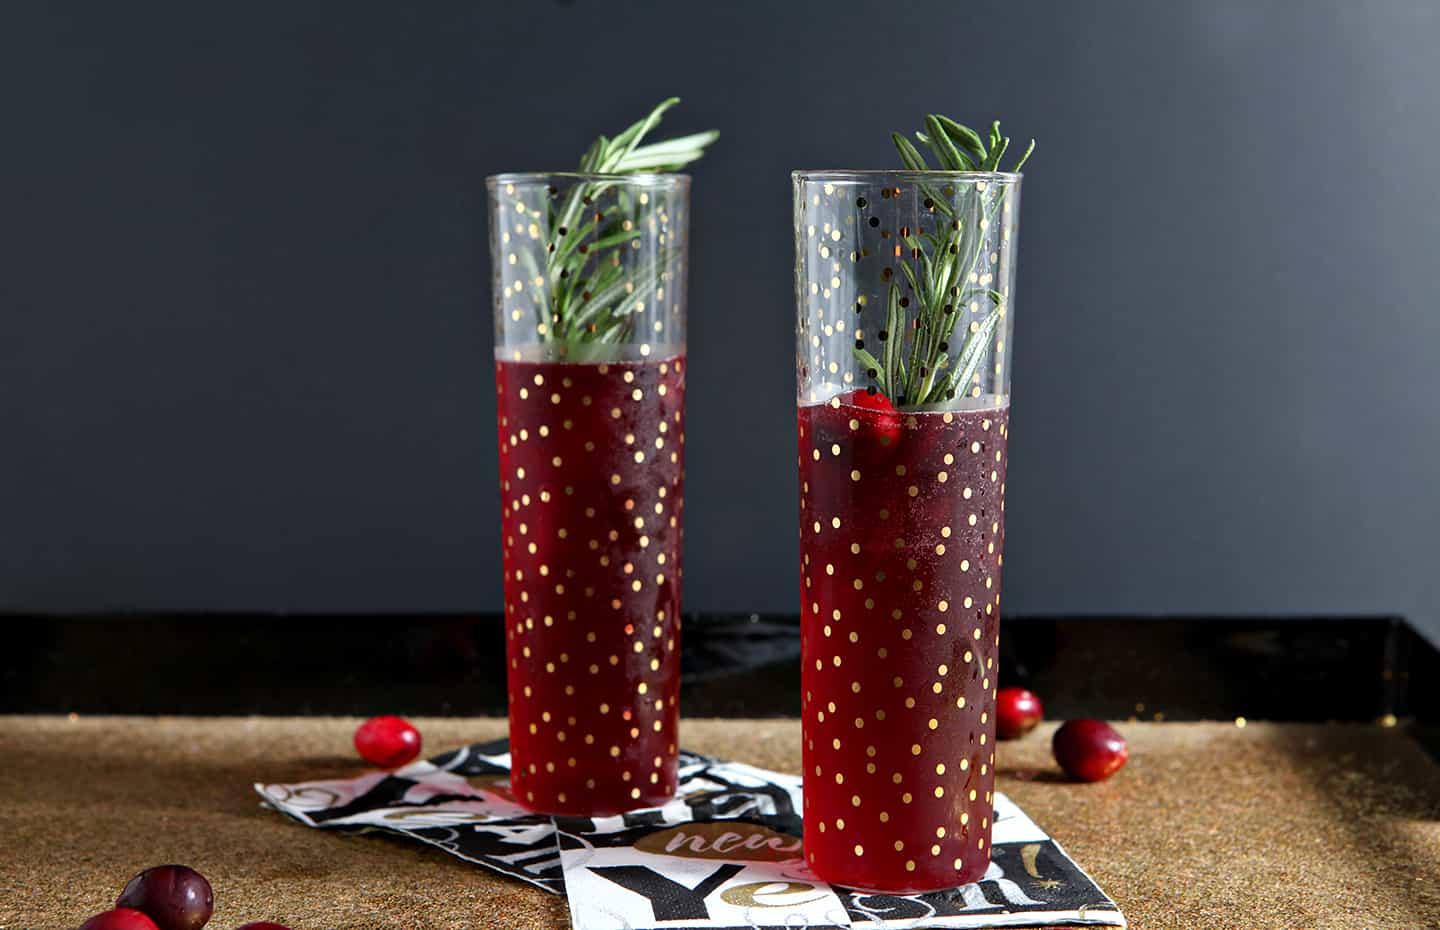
(244, 350)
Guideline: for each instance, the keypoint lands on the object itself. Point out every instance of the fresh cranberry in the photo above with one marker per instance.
(121, 918)
(1017, 712)
(1089, 750)
(264, 925)
(876, 401)
(176, 897)
(880, 417)
(388, 742)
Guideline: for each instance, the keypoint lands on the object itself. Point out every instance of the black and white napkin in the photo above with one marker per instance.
(724, 853)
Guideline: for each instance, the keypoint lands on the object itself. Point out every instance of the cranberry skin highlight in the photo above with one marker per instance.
(388, 742)
(1089, 750)
(175, 897)
(881, 417)
(865, 399)
(1017, 712)
(121, 918)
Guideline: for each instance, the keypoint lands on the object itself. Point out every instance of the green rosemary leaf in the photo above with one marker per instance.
(971, 353)
(910, 276)
(631, 137)
(637, 130)
(1024, 157)
(998, 152)
(910, 371)
(944, 149)
(667, 156)
(994, 296)
(608, 290)
(693, 142)
(941, 202)
(917, 367)
(591, 159)
(615, 239)
(963, 136)
(965, 164)
(663, 164)
(920, 299)
(568, 243)
(585, 258)
(621, 293)
(870, 363)
(927, 386)
(908, 154)
(927, 274)
(894, 338)
(599, 287)
(968, 235)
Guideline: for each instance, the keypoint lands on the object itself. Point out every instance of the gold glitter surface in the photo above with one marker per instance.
(1208, 827)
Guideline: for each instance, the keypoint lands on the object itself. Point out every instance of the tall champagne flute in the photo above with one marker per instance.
(904, 290)
(589, 277)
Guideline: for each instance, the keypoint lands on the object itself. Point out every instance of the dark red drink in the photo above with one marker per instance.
(591, 472)
(902, 530)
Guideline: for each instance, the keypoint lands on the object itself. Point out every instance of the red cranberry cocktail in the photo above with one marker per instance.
(902, 530)
(590, 392)
(904, 288)
(592, 486)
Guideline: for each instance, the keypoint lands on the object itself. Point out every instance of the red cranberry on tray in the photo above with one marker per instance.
(1017, 712)
(176, 897)
(121, 918)
(388, 742)
(1089, 750)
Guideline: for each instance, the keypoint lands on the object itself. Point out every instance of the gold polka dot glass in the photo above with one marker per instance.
(904, 290)
(589, 281)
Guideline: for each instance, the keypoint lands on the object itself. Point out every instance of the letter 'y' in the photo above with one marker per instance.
(669, 899)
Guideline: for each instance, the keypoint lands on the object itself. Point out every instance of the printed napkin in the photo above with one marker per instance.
(724, 853)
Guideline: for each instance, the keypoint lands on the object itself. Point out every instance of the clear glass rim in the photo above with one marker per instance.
(871, 175)
(643, 179)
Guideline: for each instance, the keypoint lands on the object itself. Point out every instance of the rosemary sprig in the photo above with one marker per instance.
(938, 272)
(589, 294)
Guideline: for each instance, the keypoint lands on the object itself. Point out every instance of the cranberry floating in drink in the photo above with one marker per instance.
(590, 384)
(904, 289)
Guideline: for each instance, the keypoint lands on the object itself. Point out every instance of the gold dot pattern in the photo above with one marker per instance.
(915, 648)
(591, 544)
(850, 248)
(526, 214)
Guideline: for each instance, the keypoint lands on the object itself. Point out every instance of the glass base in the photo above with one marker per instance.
(865, 888)
(580, 809)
